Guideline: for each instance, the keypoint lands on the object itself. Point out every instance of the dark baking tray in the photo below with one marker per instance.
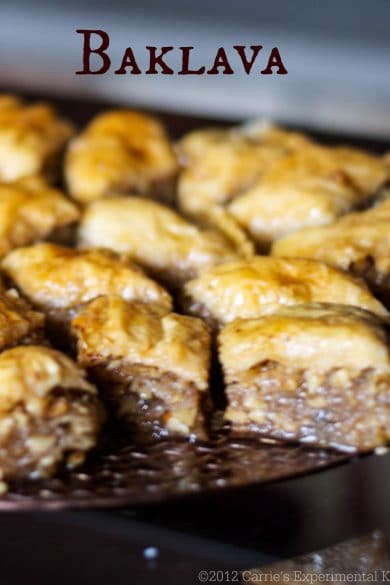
(122, 473)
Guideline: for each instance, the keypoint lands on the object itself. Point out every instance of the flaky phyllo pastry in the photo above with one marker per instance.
(49, 413)
(158, 238)
(30, 211)
(318, 374)
(358, 242)
(32, 138)
(121, 152)
(152, 367)
(19, 324)
(59, 280)
(247, 289)
(221, 164)
(300, 339)
(273, 182)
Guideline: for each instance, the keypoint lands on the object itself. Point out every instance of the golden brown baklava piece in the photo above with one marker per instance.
(359, 242)
(318, 374)
(309, 187)
(155, 236)
(248, 289)
(49, 413)
(19, 324)
(152, 368)
(221, 164)
(30, 210)
(32, 138)
(121, 152)
(59, 280)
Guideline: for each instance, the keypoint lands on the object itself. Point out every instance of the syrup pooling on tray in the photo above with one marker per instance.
(238, 189)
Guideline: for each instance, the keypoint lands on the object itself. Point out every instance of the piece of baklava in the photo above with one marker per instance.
(312, 186)
(121, 152)
(247, 289)
(221, 164)
(30, 210)
(358, 242)
(166, 245)
(318, 374)
(19, 324)
(59, 280)
(32, 139)
(49, 414)
(152, 368)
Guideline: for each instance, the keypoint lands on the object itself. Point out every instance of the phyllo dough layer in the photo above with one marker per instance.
(32, 138)
(247, 289)
(221, 164)
(310, 187)
(30, 210)
(318, 374)
(359, 242)
(19, 324)
(59, 280)
(121, 152)
(153, 368)
(155, 236)
(49, 413)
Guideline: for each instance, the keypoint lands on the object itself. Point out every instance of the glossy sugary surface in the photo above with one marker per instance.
(311, 186)
(247, 289)
(314, 336)
(352, 239)
(155, 236)
(121, 152)
(221, 164)
(273, 181)
(49, 413)
(18, 322)
(31, 138)
(30, 210)
(28, 374)
(318, 374)
(123, 472)
(54, 277)
(109, 330)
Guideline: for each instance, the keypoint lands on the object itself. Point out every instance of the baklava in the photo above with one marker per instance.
(311, 186)
(317, 373)
(358, 242)
(152, 367)
(59, 280)
(121, 152)
(49, 414)
(221, 164)
(247, 289)
(32, 139)
(19, 324)
(30, 210)
(153, 235)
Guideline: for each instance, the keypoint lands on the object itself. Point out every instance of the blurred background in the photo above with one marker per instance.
(337, 54)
